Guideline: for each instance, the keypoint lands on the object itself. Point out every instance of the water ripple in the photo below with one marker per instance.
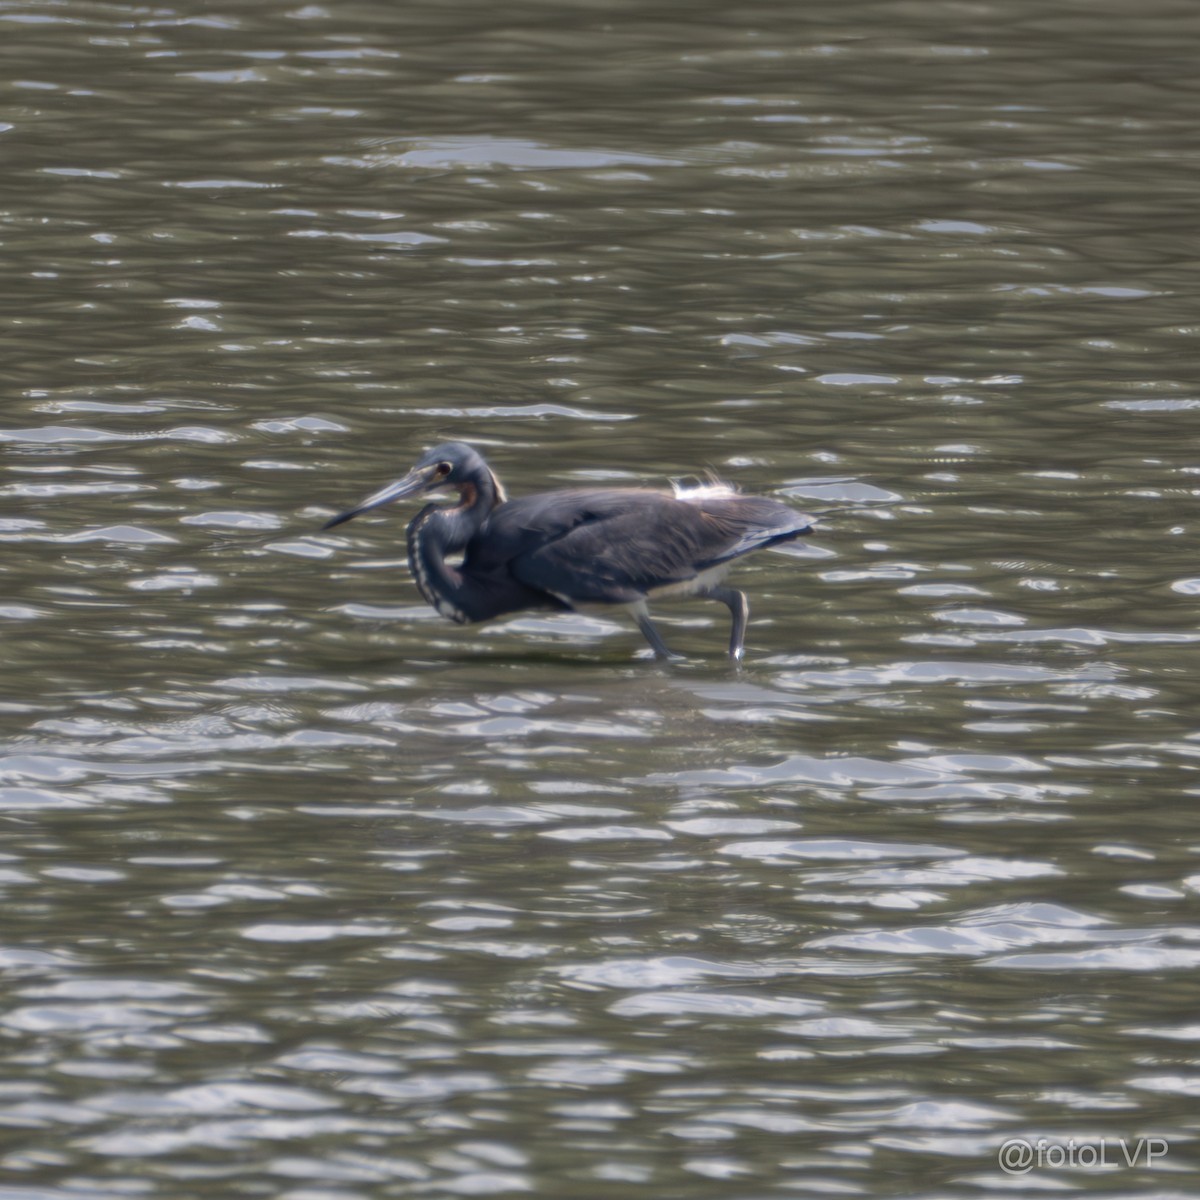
(307, 891)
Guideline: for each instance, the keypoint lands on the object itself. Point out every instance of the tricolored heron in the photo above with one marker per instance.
(577, 547)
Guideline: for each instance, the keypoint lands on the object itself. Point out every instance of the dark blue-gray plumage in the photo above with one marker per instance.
(577, 547)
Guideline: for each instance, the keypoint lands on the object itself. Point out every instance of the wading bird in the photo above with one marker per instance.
(571, 549)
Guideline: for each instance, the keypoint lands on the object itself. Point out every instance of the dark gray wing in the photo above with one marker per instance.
(520, 527)
(613, 547)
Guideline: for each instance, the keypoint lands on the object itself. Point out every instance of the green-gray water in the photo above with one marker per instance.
(310, 894)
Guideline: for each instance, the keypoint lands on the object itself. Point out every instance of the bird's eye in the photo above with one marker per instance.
(444, 468)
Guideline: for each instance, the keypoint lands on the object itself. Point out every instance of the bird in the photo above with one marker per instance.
(579, 547)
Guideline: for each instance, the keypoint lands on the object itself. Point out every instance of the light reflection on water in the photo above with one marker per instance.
(309, 893)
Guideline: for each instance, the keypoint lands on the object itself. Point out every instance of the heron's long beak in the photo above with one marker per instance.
(417, 480)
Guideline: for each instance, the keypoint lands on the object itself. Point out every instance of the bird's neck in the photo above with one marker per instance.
(438, 531)
(477, 497)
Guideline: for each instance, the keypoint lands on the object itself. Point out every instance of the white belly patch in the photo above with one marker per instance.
(691, 587)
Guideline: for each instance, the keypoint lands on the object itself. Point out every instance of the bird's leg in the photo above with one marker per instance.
(641, 614)
(739, 610)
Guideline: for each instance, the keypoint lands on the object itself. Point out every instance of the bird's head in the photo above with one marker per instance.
(450, 465)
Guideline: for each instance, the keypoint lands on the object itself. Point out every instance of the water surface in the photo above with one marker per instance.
(308, 893)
